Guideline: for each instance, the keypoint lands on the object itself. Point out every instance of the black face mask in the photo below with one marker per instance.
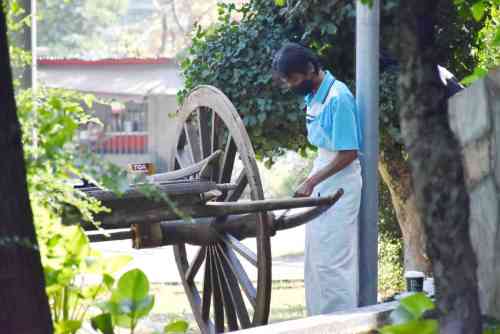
(304, 88)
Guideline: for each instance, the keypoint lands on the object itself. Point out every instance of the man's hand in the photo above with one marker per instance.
(305, 189)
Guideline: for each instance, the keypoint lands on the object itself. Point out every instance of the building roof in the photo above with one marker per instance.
(128, 78)
(108, 61)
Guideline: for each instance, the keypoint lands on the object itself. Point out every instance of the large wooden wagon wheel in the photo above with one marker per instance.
(217, 277)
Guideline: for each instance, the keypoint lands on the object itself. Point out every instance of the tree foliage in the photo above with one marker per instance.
(79, 27)
(236, 54)
(236, 57)
(50, 120)
(487, 50)
(120, 28)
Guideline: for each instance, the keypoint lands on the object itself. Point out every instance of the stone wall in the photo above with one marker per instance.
(474, 115)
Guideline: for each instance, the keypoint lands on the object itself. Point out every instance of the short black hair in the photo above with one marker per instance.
(294, 58)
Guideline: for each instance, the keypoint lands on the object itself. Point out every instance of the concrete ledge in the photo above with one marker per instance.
(359, 321)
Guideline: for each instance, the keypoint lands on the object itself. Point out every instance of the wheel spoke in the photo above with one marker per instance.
(228, 300)
(241, 275)
(203, 122)
(193, 141)
(213, 135)
(183, 157)
(217, 295)
(196, 264)
(236, 193)
(240, 248)
(232, 283)
(207, 291)
(228, 162)
(217, 130)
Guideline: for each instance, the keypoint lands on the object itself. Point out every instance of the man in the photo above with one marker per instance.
(331, 250)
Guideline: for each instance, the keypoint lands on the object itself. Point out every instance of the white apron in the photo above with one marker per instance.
(331, 242)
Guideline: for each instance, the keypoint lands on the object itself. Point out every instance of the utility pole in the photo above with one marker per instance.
(367, 99)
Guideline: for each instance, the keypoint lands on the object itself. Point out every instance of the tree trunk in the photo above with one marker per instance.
(437, 171)
(24, 307)
(164, 29)
(396, 175)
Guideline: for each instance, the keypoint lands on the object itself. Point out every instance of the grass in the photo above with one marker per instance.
(287, 302)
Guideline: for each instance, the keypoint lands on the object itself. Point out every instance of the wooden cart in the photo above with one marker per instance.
(215, 201)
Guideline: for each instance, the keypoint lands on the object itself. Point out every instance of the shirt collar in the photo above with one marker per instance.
(322, 91)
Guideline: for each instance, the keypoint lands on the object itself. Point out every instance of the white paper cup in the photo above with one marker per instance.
(414, 281)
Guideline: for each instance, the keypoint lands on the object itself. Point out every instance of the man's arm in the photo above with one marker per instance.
(341, 160)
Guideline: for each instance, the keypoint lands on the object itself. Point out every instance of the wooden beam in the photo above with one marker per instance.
(187, 171)
(140, 212)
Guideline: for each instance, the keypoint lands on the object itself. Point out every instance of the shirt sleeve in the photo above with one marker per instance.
(345, 130)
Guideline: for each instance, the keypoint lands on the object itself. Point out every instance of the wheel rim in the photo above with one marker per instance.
(229, 300)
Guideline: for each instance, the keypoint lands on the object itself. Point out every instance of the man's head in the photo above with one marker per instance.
(299, 67)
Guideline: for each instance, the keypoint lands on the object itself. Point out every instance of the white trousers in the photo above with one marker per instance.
(331, 243)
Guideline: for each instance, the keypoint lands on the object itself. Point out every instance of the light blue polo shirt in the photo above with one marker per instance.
(336, 127)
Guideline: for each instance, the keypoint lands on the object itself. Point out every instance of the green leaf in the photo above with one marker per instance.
(401, 315)
(280, 3)
(412, 327)
(102, 323)
(479, 72)
(108, 281)
(67, 326)
(133, 285)
(78, 243)
(123, 320)
(89, 100)
(417, 304)
(116, 263)
(128, 313)
(478, 9)
(369, 3)
(496, 39)
(125, 312)
(132, 292)
(89, 291)
(54, 240)
(143, 307)
(179, 326)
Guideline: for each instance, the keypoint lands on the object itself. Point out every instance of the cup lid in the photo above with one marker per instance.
(414, 274)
